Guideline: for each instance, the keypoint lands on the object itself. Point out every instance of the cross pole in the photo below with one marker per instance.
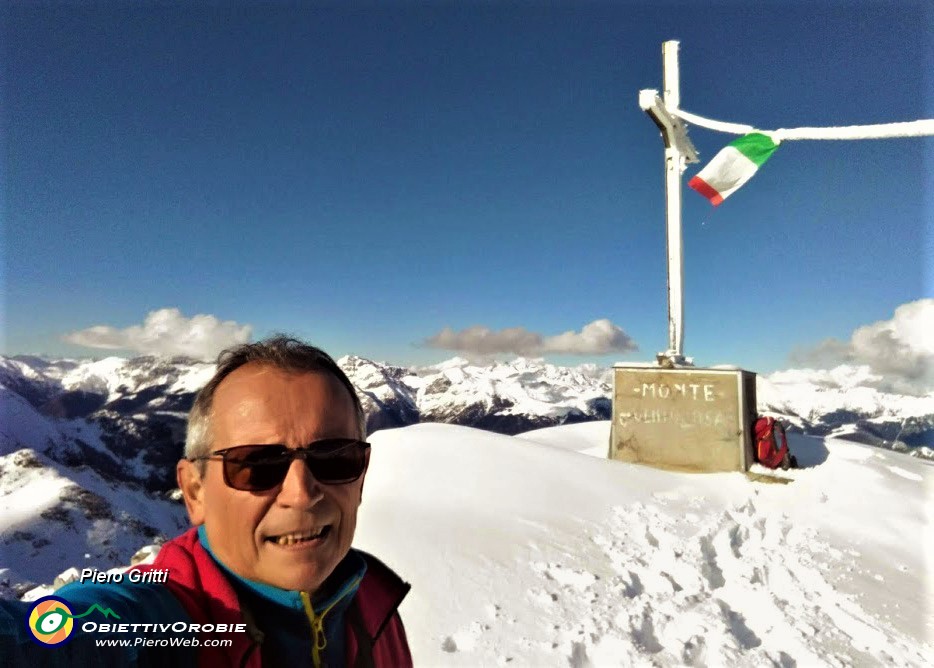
(679, 151)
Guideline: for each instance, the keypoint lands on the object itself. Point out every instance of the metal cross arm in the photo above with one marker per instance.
(672, 128)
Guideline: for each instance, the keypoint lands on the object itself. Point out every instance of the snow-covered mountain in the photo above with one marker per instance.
(841, 402)
(82, 443)
(125, 418)
(109, 412)
(505, 397)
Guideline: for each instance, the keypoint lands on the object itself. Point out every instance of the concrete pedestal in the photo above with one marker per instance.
(685, 419)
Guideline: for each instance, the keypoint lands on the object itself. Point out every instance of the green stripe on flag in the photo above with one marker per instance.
(755, 146)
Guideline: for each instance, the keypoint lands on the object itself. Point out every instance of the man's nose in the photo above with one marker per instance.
(299, 489)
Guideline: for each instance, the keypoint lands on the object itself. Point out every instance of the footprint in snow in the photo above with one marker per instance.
(578, 580)
(464, 640)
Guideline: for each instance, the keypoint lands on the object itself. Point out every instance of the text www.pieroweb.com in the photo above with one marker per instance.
(163, 642)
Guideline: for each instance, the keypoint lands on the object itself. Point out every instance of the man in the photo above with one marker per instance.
(272, 478)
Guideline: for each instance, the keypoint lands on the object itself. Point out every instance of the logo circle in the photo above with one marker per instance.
(50, 620)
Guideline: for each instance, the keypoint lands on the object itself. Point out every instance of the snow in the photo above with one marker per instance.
(590, 438)
(810, 392)
(193, 378)
(101, 376)
(16, 367)
(521, 551)
(21, 502)
(44, 527)
(21, 425)
(109, 375)
(524, 386)
(526, 551)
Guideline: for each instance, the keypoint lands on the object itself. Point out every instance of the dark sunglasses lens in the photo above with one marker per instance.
(337, 461)
(256, 468)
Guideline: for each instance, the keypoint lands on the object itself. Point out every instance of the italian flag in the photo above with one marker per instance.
(733, 166)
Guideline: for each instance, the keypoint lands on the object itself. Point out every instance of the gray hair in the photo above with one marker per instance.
(279, 351)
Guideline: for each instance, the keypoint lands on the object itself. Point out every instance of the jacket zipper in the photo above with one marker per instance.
(319, 641)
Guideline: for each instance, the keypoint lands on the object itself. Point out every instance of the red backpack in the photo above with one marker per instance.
(772, 445)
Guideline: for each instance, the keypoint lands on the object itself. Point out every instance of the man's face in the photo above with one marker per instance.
(259, 404)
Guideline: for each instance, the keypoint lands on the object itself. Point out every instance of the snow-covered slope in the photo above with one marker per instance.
(54, 515)
(524, 551)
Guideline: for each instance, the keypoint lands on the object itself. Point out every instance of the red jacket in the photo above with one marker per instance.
(378, 639)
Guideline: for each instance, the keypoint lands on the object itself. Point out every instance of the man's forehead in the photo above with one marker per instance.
(263, 404)
(257, 384)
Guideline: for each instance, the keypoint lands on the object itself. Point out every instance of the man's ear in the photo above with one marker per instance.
(189, 480)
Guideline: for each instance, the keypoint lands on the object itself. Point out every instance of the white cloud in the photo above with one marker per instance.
(166, 333)
(900, 350)
(485, 341)
(596, 338)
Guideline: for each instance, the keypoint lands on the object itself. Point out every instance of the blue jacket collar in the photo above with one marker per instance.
(343, 582)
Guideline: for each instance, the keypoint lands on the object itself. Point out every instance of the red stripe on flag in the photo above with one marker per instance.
(704, 189)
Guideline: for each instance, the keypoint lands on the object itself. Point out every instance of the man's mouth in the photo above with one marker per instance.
(288, 539)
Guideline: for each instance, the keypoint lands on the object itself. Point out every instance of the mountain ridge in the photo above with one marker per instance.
(82, 440)
(129, 405)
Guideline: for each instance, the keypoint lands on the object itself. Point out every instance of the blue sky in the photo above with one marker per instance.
(368, 177)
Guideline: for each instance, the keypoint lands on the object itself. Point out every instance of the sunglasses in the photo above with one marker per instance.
(257, 468)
